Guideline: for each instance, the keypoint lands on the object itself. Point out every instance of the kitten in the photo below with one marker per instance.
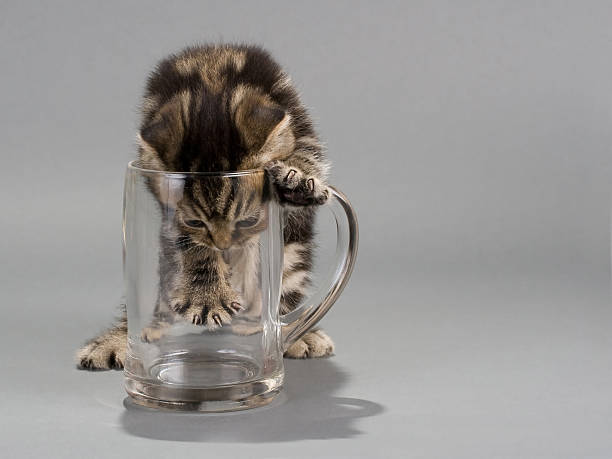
(219, 108)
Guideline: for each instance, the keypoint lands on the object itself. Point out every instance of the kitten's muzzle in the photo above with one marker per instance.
(221, 242)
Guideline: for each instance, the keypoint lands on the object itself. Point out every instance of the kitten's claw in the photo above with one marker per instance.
(210, 308)
(235, 307)
(217, 319)
(295, 187)
(290, 175)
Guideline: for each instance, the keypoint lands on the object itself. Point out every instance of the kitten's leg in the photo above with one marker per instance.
(106, 351)
(296, 270)
(204, 295)
(300, 181)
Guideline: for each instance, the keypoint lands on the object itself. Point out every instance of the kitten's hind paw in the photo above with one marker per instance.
(154, 332)
(295, 187)
(313, 344)
(101, 356)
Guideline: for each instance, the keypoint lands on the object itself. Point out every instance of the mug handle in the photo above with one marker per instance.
(296, 323)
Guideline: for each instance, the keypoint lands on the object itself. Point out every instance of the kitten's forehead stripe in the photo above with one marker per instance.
(250, 199)
(228, 201)
(198, 198)
(238, 206)
(220, 193)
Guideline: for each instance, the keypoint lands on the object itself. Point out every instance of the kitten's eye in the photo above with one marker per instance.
(195, 223)
(252, 221)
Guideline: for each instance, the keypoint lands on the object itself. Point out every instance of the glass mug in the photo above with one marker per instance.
(217, 361)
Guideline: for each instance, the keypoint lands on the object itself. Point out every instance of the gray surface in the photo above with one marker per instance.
(474, 140)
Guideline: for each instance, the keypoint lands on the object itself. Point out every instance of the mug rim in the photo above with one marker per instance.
(133, 166)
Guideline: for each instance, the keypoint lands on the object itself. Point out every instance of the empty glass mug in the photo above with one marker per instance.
(203, 265)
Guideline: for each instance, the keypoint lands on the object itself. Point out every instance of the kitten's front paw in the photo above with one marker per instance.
(212, 309)
(313, 344)
(295, 187)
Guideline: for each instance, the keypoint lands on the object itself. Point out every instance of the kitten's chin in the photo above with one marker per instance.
(235, 245)
(209, 246)
(203, 245)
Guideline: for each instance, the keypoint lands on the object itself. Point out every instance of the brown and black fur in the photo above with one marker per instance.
(220, 108)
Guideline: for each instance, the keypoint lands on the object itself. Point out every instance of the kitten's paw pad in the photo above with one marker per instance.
(313, 344)
(100, 356)
(295, 187)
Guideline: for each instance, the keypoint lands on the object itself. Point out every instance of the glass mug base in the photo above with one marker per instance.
(242, 385)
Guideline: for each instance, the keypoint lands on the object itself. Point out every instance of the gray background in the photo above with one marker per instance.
(474, 141)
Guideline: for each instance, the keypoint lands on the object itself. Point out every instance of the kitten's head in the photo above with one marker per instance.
(213, 109)
(217, 109)
(222, 212)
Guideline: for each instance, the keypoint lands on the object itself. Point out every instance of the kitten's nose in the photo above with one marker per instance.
(222, 241)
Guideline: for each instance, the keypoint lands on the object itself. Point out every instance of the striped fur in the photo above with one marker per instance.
(218, 108)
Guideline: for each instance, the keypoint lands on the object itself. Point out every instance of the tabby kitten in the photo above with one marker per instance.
(219, 108)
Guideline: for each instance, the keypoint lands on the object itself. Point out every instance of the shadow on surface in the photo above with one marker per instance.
(306, 410)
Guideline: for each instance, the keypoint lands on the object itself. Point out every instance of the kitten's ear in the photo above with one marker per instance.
(160, 139)
(264, 127)
(256, 118)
